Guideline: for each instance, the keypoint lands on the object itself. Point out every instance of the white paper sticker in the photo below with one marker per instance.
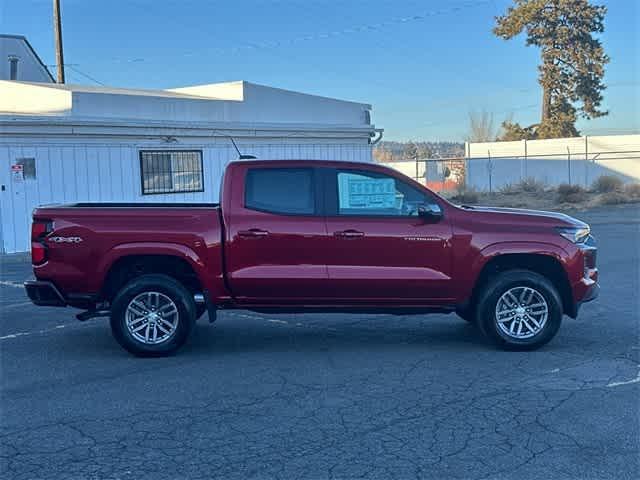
(359, 191)
(17, 173)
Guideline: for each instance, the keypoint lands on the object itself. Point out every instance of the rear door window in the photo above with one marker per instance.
(287, 191)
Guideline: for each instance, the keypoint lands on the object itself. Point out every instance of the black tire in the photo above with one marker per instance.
(499, 285)
(167, 286)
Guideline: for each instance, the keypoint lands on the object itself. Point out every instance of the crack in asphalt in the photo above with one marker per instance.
(479, 427)
(513, 422)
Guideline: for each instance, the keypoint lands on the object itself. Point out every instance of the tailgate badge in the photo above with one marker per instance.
(65, 239)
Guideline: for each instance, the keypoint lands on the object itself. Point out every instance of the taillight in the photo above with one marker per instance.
(39, 230)
(38, 253)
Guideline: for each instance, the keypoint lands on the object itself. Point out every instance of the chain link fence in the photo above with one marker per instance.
(492, 173)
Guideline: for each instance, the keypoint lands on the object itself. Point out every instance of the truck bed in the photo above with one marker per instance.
(88, 239)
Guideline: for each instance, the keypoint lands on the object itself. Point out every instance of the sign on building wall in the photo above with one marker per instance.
(23, 169)
(17, 173)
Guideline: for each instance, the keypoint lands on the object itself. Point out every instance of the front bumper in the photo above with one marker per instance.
(585, 288)
(584, 291)
(591, 294)
(44, 293)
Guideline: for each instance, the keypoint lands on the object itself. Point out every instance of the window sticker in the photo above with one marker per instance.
(359, 191)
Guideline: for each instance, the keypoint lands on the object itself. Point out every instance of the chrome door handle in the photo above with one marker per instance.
(349, 234)
(253, 233)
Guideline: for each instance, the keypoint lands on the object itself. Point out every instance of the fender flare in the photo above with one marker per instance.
(494, 250)
(109, 258)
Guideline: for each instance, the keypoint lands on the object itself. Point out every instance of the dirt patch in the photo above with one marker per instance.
(543, 200)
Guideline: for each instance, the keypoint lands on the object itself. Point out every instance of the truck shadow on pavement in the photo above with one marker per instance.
(273, 335)
(453, 337)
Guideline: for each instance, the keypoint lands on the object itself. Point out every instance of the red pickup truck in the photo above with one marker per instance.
(312, 236)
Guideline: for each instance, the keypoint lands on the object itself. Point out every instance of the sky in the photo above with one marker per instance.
(423, 65)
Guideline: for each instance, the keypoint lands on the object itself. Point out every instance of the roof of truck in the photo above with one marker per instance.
(314, 162)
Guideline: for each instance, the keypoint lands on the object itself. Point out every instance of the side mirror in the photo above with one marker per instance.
(430, 213)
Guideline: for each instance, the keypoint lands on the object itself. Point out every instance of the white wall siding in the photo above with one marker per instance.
(110, 172)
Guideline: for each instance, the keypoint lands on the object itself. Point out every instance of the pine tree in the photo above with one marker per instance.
(573, 60)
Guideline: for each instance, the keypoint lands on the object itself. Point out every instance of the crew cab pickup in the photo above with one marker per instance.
(312, 236)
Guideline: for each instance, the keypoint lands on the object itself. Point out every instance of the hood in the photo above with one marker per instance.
(560, 219)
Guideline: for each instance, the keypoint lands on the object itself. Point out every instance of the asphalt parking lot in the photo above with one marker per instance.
(328, 396)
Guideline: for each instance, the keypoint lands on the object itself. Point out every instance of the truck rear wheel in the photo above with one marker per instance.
(519, 310)
(152, 315)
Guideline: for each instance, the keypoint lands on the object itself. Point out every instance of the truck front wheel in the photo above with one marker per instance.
(152, 315)
(519, 310)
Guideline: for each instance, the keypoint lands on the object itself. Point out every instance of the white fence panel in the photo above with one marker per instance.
(579, 160)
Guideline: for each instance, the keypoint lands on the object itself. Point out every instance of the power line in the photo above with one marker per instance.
(74, 67)
(86, 75)
(509, 110)
(360, 28)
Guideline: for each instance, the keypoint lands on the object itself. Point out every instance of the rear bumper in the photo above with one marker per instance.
(44, 293)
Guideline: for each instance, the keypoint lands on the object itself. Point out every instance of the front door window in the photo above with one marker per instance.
(373, 194)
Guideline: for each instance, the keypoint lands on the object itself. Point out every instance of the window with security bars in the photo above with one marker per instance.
(28, 167)
(171, 171)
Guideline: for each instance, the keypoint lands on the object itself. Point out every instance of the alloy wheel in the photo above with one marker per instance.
(521, 312)
(152, 318)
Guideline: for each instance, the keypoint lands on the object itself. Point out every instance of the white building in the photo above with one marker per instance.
(19, 61)
(70, 143)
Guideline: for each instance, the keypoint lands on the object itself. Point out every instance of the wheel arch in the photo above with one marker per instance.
(547, 262)
(125, 262)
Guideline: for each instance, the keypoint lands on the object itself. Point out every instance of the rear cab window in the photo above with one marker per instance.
(284, 191)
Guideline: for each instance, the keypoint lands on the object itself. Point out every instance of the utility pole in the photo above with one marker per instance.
(57, 32)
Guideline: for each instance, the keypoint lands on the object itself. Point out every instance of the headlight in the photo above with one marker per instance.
(575, 234)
